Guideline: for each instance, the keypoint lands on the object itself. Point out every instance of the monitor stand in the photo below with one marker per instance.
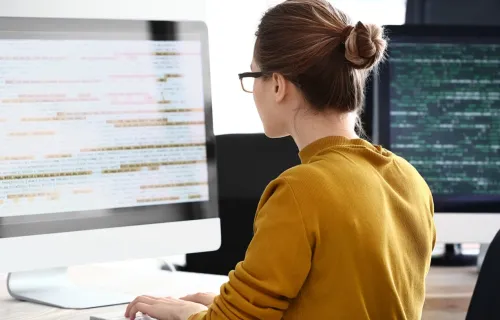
(453, 257)
(52, 287)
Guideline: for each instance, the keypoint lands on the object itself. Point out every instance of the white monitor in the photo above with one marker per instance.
(438, 106)
(107, 148)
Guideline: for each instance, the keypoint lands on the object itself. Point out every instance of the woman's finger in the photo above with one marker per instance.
(144, 308)
(140, 299)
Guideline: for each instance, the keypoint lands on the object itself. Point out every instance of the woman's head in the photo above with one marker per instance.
(311, 54)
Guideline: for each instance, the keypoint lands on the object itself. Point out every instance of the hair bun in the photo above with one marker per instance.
(365, 45)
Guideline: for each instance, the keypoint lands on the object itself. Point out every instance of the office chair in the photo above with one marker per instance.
(246, 163)
(485, 302)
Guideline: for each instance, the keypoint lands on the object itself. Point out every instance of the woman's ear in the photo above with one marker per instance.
(280, 87)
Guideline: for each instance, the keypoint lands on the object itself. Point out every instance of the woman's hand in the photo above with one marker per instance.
(163, 308)
(204, 298)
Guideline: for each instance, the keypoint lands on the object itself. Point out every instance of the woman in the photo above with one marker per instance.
(348, 234)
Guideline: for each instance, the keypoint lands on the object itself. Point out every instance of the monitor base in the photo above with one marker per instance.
(52, 287)
(453, 257)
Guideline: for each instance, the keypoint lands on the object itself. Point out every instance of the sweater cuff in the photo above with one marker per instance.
(198, 316)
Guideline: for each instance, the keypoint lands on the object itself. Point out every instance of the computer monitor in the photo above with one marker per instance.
(437, 103)
(106, 149)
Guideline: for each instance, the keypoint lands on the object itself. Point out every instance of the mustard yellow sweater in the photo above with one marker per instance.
(348, 234)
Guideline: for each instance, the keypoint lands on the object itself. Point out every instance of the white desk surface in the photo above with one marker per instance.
(125, 278)
(448, 290)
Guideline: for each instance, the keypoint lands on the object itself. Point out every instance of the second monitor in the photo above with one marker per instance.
(438, 106)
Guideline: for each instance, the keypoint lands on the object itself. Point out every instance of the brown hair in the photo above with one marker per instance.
(315, 46)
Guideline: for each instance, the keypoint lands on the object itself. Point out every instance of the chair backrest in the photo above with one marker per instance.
(485, 302)
(246, 163)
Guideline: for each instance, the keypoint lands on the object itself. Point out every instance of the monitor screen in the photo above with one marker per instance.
(442, 114)
(91, 125)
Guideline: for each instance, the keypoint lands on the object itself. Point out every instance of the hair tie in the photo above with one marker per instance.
(345, 33)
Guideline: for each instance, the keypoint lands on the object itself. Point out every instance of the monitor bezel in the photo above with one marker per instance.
(381, 95)
(77, 29)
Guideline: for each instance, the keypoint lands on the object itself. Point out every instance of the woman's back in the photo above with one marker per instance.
(348, 234)
(369, 216)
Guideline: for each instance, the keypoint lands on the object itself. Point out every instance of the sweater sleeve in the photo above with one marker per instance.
(276, 264)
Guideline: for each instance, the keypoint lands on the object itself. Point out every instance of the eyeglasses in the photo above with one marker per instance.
(247, 80)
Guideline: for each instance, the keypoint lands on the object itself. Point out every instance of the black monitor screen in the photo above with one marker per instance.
(442, 113)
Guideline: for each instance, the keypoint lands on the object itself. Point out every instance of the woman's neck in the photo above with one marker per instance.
(310, 127)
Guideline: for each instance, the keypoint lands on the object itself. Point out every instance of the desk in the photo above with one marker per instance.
(448, 291)
(118, 277)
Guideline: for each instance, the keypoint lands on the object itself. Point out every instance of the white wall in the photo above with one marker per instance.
(232, 26)
(124, 9)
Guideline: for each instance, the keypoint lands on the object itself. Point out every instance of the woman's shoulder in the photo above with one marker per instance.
(312, 173)
(308, 181)
(293, 179)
